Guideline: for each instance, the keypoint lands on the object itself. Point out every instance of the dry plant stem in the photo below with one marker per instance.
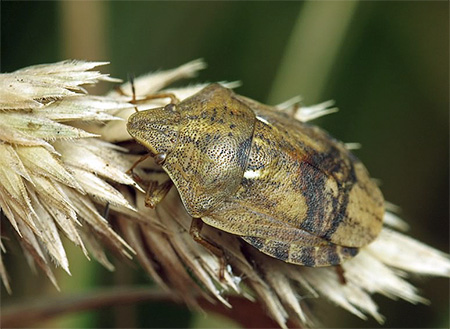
(245, 312)
(32, 312)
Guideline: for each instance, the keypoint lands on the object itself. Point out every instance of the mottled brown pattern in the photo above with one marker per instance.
(288, 188)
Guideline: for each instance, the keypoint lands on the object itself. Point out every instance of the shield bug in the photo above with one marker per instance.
(286, 187)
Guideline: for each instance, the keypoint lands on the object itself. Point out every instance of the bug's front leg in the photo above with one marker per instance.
(142, 158)
(135, 176)
(173, 99)
(157, 192)
(195, 232)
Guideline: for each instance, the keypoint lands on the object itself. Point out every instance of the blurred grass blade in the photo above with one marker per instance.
(311, 51)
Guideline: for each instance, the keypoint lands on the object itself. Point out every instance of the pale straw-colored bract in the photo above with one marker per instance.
(59, 169)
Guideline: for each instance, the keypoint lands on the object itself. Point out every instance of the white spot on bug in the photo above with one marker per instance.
(263, 120)
(250, 174)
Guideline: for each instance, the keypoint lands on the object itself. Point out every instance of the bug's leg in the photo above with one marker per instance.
(341, 274)
(157, 192)
(135, 176)
(142, 158)
(173, 99)
(195, 232)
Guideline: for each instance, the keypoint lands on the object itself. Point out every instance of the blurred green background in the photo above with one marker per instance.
(386, 64)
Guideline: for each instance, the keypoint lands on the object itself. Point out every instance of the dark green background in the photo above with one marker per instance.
(390, 79)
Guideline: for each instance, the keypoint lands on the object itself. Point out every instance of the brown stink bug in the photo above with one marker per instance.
(285, 187)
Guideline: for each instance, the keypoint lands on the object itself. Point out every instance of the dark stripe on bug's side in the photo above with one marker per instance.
(332, 256)
(304, 256)
(332, 162)
(279, 250)
(258, 243)
(340, 212)
(243, 152)
(312, 185)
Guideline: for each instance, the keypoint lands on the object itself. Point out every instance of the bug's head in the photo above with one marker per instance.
(156, 129)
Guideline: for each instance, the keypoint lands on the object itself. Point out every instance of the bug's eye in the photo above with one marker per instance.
(160, 158)
(170, 107)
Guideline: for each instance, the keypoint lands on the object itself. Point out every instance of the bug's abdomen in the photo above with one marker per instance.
(319, 188)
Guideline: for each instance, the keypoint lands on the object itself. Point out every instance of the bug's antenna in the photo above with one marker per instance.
(133, 90)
